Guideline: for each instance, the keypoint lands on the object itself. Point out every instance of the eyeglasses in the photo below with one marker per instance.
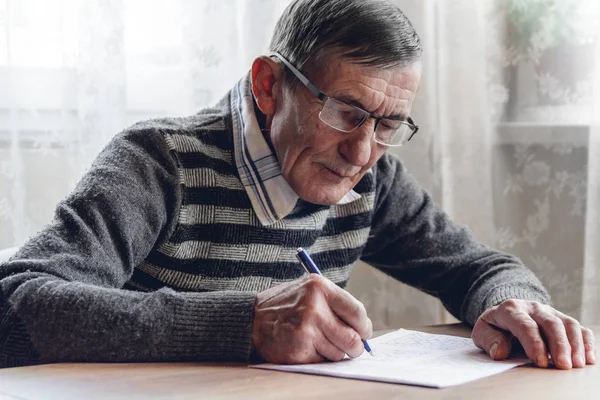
(347, 117)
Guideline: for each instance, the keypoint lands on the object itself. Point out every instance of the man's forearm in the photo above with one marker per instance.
(496, 278)
(70, 321)
(415, 241)
(61, 296)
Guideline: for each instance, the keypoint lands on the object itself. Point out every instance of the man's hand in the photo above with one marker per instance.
(540, 329)
(308, 320)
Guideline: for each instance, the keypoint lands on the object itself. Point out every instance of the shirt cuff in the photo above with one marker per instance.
(213, 326)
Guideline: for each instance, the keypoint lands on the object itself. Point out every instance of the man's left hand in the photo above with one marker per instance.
(540, 329)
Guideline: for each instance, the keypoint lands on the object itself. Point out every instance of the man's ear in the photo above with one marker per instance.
(266, 78)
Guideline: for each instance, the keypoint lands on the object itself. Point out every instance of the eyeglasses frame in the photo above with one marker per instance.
(323, 97)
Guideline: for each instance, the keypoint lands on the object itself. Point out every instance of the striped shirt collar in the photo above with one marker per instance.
(259, 170)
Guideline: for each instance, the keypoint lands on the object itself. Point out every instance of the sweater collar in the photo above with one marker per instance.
(271, 196)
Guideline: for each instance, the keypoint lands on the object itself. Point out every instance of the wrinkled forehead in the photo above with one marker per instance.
(374, 88)
(341, 72)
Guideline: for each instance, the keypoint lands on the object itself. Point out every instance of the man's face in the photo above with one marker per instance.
(319, 162)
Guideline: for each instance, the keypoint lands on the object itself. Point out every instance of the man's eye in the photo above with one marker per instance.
(386, 134)
(351, 115)
(391, 125)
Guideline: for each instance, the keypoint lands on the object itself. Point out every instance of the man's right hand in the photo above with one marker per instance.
(308, 320)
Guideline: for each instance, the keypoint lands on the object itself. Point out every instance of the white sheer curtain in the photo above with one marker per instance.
(591, 272)
(509, 143)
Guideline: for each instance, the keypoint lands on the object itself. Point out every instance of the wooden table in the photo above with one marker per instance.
(227, 381)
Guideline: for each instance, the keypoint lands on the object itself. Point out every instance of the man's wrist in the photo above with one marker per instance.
(512, 291)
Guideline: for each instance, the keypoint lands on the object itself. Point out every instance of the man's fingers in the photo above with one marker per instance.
(342, 336)
(508, 317)
(589, 345)
(349, 310)
(328, 350)
(539, 329)
(556, 337)
(494, 342)
(575, 337)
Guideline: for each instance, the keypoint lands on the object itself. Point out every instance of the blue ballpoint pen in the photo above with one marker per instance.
(310, 267)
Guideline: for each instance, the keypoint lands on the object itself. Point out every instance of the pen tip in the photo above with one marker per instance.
(371, 353)
(299, 249)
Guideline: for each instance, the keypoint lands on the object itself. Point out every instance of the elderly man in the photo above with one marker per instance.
(180, 241)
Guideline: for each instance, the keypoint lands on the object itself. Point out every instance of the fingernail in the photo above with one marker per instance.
(564, 361)
(542, 361)
(493, 350)
(578, 361)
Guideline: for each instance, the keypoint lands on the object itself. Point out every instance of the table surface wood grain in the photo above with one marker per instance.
(229, 381)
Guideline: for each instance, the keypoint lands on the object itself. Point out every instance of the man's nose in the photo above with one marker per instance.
(357, 145)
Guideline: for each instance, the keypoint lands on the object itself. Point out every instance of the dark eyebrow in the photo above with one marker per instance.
(356, 103)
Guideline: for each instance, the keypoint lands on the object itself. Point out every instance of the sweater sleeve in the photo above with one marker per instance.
(415, 242)
(62, 296)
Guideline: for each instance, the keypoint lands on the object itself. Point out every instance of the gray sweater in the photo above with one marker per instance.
(158, 255)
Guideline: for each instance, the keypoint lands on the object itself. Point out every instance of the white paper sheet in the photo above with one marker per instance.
(414, 358)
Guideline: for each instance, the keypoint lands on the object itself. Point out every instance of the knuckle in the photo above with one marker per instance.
(361, 309)
(551, 322)
(561, 343)
(349, 339)
(510, 305)
(315, 282)
(572, 324)
(527, 325)
(358, 309)
(538, 308)
(588, 335)
(538, 346)
(564, 348)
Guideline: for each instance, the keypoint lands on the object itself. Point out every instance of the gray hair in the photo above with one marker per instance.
(367, 32)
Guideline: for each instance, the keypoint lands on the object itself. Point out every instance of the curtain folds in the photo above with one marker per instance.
(508, 107)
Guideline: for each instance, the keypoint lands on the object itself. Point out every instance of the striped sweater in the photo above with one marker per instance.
(220, 244)
(158, 253)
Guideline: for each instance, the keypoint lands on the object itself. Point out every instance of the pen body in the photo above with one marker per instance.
(307, 262)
